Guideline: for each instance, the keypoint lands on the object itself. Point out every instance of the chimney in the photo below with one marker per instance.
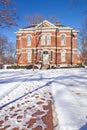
(57, 22)
(34, 22)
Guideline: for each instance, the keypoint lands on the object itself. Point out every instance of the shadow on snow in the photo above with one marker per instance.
(84, 127)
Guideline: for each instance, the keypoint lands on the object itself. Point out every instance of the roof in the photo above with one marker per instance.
(30, 26)
(46, 21)
(60, 25)
(46, 25)
(34, 25)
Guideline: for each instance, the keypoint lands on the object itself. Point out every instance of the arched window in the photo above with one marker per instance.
(63, 39)
(29, 40)
(48, 36)
(43, 39)
(63, 55)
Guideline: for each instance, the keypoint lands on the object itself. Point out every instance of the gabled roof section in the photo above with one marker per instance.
(45, 23)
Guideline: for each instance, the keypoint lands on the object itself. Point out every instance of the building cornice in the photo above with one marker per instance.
(51, 27)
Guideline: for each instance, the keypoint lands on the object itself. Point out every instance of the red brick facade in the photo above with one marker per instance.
(46, 43)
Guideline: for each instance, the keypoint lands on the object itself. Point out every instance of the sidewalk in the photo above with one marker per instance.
(32, 112)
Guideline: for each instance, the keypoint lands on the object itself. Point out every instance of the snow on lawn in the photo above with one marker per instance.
(68, 86)
(22, 106)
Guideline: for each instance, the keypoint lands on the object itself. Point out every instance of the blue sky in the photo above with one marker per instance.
(68, 14)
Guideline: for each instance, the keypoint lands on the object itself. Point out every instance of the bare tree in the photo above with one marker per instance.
(3, 41)
(53, 19)
(10, 52)
(7, 14)
(83, 42)
(7, 51)
(33, 19)
(37, 18)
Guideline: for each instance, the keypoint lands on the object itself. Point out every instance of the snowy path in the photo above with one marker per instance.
(30, 111)
(69, 88)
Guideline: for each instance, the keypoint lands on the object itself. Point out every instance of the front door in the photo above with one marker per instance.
(45, 57)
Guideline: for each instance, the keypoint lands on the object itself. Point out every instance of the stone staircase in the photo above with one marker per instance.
(44, 67)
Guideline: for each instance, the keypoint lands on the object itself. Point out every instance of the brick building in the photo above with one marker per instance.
(47, 44)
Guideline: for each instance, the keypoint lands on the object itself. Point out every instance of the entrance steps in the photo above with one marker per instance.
(45, 67)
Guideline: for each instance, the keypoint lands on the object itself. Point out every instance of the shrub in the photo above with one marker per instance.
(16, 67)
(29, 67)
(35, 67)
(53, 67)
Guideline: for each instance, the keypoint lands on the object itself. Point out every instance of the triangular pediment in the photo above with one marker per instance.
(45, 24)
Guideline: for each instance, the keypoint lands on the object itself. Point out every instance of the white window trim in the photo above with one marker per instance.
(45, 41)
(63, 55)
(29, 42)
(29, 55)
(48, 39)
(63, 44)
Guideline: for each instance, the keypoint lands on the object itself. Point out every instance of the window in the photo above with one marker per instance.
(63, 55)
(29, 40)
(51, 55)
(63, 39)
(40, 56)
(29, 55)
(48, 36)
(43, 39)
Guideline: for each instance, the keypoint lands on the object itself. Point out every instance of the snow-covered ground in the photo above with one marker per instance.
(68, 86)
